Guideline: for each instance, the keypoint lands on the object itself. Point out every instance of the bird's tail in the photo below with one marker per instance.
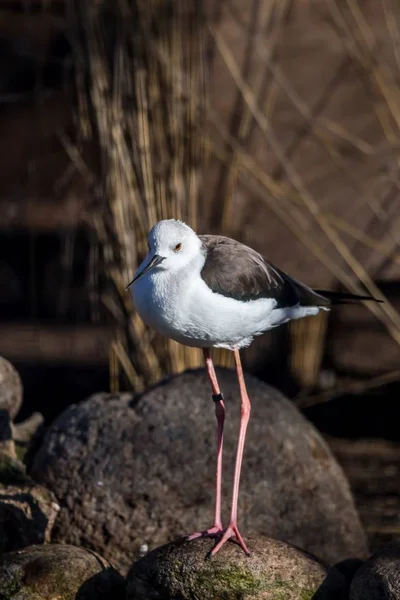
(344, 298)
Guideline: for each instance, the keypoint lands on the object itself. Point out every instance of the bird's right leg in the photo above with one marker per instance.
(220, 414)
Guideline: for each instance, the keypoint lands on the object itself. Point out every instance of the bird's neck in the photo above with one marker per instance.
(180, 280)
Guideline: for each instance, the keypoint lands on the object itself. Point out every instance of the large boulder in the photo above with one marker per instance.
(379, 577)
(132, 473)
(274, 571)
(10, 388)
(59, 572)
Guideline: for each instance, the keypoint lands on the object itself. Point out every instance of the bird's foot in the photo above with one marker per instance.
(231, 531)
(211, 532)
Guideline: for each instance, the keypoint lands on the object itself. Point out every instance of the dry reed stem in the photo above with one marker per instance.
(308, 342)
(252, 176)
(304, 401)
(254, 171)
(230, 148)
(148, 167)
(385, 312)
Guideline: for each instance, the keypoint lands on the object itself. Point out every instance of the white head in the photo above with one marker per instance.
(173, 245)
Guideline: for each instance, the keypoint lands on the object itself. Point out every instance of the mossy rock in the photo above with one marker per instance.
(182, 570)
(59, 572)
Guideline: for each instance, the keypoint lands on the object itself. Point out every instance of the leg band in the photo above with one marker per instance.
(217, 397)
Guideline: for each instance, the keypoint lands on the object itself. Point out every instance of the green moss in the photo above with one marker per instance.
(238, 583)
(233, 581)
(281, 589)
(307, 594)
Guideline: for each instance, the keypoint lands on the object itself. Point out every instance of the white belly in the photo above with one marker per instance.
(195, 316)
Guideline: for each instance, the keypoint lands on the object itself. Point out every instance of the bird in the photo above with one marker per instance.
(211, 291)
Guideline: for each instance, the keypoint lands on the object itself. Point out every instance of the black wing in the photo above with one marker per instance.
(237, 271)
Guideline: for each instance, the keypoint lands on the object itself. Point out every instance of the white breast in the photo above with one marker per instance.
(186, 310)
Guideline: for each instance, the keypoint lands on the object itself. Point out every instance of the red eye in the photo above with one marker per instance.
(178, 247)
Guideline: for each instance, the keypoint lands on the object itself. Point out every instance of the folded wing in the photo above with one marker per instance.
(237, 271)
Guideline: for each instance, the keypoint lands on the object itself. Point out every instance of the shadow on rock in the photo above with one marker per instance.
(379, 576)
(337, 583)
(102, 586)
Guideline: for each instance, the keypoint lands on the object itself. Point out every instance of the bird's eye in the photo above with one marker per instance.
(178, 247)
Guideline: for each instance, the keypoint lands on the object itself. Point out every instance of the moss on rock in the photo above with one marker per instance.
(274, 571)
(58, 571)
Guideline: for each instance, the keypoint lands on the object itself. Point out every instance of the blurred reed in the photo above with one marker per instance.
(146, 125)
(141, 73)
(286, 192)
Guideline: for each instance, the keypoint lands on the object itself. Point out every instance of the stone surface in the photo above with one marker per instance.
(379, 577)
(27, 436)
(10, 388)
(7, 445)
(27, 510)
(274, 571)
(24, 431)
(129, 472)
(336, 586)
(58, 572)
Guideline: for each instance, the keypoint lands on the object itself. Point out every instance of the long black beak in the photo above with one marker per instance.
(153, 263)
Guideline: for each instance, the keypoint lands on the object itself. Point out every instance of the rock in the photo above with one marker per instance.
(336, 586)
(12, 471)
(6, 440)
(18, 439)
(10, 388)
(130, 472)
(27, 436)
(274, 571)
(379, 577)
(59, 572)
(26, 430)
(27, 510)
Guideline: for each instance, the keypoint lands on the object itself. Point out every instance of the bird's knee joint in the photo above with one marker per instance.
(245, 411)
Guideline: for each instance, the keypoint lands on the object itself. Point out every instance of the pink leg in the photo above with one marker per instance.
(232, 529)
(220, 414)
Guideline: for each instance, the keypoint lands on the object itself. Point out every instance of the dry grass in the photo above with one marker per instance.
(286, 192)
(146, 125)
(143, 98)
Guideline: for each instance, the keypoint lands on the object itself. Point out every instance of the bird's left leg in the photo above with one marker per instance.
(220, 414)
(232, 529)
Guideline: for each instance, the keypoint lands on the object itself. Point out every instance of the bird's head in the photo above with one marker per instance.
(173, 245)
